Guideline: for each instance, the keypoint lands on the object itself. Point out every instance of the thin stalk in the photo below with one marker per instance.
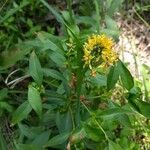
(3, 5)
(94, 97)
(134, 54)
(100, 127)
(79, 75)
(140, 17)
(72, 118)
(144, 83)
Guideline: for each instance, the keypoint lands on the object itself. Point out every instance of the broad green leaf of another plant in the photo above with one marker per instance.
(22, 112)
(126, 77)
(35, 69)
(144, 108)
(112, 77)
(139, 105)
(35, 100)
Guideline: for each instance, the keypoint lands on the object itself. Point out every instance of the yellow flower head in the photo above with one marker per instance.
(98, 51)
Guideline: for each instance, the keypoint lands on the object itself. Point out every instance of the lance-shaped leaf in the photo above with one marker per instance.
(35, 69)
(35, 100)
(22, 112)
(126, 76)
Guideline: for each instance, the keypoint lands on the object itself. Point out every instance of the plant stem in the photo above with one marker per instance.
(147, 24)
(96, 121)
(72, 118)
(101, 129)
(79, 75)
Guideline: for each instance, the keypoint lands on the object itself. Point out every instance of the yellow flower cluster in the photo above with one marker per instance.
(98, 51)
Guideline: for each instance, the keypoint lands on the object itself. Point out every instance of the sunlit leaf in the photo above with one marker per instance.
(35, 68)
(35, 100)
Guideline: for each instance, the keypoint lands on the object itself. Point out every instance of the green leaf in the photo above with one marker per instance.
(27, 131)
(41, 139)
(93, 133)
(26, 147)
(124, 119)
(6, 106)
(3, 93)
(112, 77)
(21, 113)
(57, 15)
(54, 12)
(111, 32)
(78, 135)
(113, 112)
(114, 6)
(53, 73)
(50, 42)
(10, 57)
(58, 59)
(133, 95)
(135, 101)
(126, 76)
(110, 23)
(64, 122)
(13, 11)
(114, 146)
(70, 21)
(35, 100)
(57, 140)
(99, 80)
(144, 108)
(35, 68)
(85, 20)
